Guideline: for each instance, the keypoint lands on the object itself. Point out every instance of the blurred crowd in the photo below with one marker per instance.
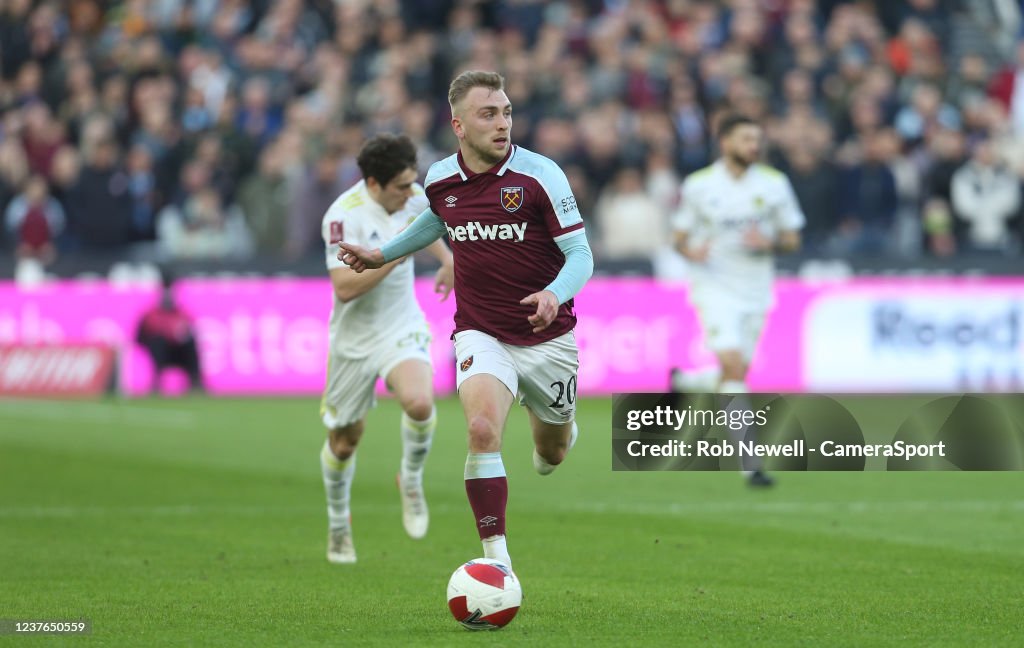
(223, 129)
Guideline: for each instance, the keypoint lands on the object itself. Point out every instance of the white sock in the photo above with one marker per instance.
(542, 466)
(748, 464)
(417, 437)
(495, 548)
(338, 476)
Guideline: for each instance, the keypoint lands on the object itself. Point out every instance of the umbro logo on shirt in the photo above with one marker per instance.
(451, 200)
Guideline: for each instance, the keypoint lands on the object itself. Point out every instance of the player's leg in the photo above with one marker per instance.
(551, 443)
(338, 467)
(548, 381)
(412, 383)
(486, 382)
(703, 380)
(190, 363)
(347, 398)
(159, 354)
(733, 378)
(735, 363)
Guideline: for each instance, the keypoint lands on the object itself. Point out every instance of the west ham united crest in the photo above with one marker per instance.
(511, 198)
(466, 364)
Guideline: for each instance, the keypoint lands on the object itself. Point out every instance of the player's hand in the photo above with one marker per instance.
(444, 280)
(547, 309)
(755, 241)
(359, 258)
(697, 254)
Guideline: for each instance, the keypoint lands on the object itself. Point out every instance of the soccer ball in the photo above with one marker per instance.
(484, 594)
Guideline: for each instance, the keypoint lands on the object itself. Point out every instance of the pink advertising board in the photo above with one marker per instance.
(269, 336)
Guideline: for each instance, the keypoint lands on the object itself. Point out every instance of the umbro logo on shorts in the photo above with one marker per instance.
(466, 364)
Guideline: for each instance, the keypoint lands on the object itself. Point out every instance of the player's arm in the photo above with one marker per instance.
(683, 222)
(424, 230)
(444, 279)
(345, 229)
(694, 253)
(349, 284)
(789, 218)
(788, 242)
(577, 269)
(566, 226)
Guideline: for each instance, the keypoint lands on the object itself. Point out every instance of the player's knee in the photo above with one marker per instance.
(483, 433)
(419, 407)
(342, 443)
(343, 448)
(733, 367)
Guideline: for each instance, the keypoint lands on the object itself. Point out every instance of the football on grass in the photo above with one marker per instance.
(484, 594)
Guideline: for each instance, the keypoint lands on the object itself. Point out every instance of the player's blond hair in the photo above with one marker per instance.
(462, 84)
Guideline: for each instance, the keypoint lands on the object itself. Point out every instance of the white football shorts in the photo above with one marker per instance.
(542, 377)
(351, 382)
(731, 325)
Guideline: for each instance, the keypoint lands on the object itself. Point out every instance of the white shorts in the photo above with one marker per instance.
(731, 326)
(542, 377)
(351, 382)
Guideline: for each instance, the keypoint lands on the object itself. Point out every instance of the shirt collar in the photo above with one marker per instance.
(498, 169)
(726, 173)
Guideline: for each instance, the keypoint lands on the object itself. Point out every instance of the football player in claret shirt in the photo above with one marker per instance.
(377, 330)
(521, 255)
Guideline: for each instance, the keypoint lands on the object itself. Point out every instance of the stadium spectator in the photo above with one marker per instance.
(203, 228)
(630, 222)
(868, 203)
(35, 219)
(321, 183)
(986, 195)
(815, 182)
(263, 197)
(13, 173)
(144, 193)
(1008, 88)
(591, 81)
(100, 203)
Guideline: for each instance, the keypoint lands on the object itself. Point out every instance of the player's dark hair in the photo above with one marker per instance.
(470, 79)
(384, 156)
(732, 121)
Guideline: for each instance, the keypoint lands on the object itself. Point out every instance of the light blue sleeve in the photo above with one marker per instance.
(424, 230)
(579, 265)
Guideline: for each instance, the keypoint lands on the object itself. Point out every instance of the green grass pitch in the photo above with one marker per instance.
(201, 522)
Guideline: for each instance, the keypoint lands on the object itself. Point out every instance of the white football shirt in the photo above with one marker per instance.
(718, 209)
(390, 306)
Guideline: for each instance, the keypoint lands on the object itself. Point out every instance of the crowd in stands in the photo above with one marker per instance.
(223, 129)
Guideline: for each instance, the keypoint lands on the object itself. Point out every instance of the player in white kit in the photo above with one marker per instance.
(377, 330)
(735, 215)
